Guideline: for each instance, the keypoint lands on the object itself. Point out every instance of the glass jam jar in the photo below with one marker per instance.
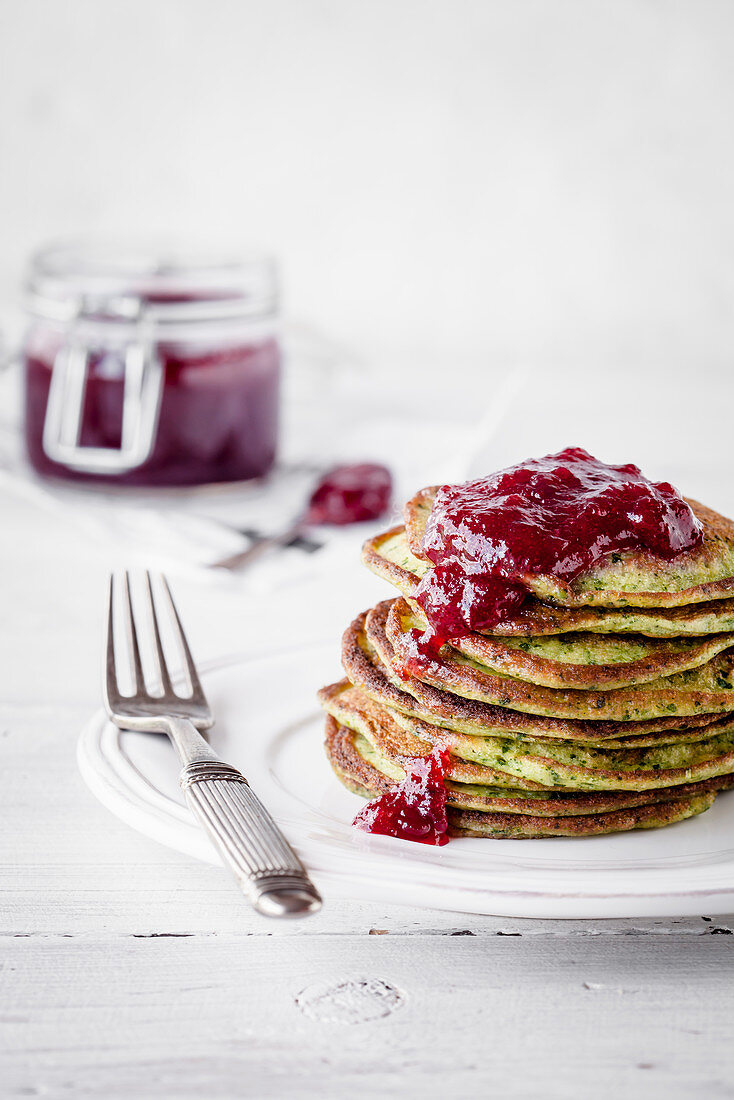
(150, 366)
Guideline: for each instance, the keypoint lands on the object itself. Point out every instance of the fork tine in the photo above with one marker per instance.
(132, 634)
(112, 689)
(160, 655)
(197, 692)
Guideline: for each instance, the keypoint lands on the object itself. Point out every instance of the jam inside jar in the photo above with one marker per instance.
(146, 367)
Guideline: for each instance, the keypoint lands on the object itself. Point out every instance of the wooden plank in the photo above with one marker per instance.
(236, 1015)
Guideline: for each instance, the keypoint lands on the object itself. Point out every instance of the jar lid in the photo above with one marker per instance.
(158, 282)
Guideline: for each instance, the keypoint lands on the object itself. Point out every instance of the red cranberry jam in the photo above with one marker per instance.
(556, 516)
(351, 494)
(218, 417)
(166, 365)
(416, 808)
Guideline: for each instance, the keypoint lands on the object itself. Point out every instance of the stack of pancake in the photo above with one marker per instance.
(601, 706)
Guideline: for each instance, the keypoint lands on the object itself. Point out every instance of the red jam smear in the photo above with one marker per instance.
(351, 494)
(416, 808)
(218, 418)
(556, 516)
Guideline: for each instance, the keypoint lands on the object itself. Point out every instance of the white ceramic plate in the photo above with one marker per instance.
(269, 726)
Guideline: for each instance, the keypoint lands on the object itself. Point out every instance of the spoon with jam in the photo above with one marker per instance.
(344, 495)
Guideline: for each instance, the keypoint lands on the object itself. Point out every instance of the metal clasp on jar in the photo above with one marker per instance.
(143, 377)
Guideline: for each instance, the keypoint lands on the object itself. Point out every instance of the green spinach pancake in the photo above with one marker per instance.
(509, 821)
(706, 690)
(389, 556)
(629, 578)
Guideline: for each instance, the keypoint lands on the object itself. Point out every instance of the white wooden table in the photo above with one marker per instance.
(129, 970)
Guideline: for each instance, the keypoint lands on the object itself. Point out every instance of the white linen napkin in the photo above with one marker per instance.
(422, 441)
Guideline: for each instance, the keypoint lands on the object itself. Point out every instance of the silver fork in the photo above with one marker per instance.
(265, 866)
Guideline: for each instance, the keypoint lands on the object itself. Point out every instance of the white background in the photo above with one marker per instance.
(546, 183)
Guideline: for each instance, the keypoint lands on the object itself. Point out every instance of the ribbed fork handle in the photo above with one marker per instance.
(267, 869)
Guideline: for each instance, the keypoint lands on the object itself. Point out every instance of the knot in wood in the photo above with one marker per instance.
(355, 1001)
